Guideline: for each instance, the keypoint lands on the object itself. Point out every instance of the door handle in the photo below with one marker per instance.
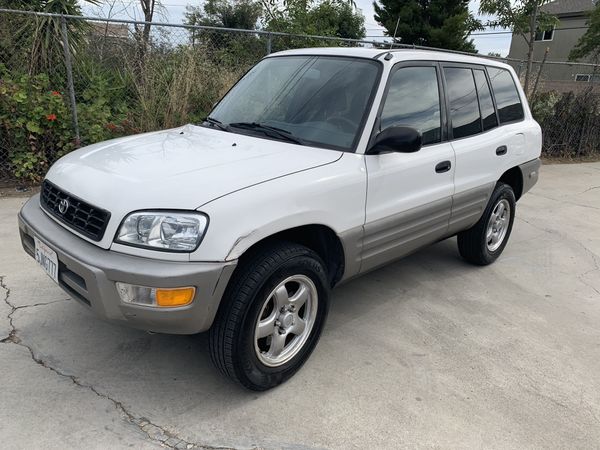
(442, 167)
(501, 150)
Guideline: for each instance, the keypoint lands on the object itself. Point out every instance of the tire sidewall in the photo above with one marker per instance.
(502, 192)
(252, 368)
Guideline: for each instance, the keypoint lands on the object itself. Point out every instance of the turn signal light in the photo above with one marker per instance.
(175, 297)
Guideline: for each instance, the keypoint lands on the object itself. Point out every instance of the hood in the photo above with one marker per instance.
(182, 168)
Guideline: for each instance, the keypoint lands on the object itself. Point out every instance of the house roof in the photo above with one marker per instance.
(568, 7)
(115, 30)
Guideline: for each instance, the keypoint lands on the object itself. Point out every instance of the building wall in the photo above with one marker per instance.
(561, 44)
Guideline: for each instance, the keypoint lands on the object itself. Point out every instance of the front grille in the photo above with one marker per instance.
(79, 215)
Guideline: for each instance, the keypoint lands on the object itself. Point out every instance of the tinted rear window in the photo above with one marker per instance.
(464, 107)
(507, 97)
(488, 112)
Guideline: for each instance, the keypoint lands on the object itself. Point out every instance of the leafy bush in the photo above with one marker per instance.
(570, 123)
(102, 114)
(36, 126)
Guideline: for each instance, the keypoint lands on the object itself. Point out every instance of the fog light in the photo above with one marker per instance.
(161, 297)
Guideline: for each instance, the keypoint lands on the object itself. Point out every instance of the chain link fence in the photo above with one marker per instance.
(67, 81)
(565, 100)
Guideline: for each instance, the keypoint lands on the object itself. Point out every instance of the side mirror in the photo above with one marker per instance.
(396, 139)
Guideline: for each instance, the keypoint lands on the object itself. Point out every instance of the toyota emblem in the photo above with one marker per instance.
(63, 205)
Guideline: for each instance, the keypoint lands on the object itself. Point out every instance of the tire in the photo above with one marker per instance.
(475, 244)
(278, 275)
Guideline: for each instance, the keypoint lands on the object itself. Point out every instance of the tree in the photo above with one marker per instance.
(326, 18)
(524, 18)
(588, 45)
(225, 13)
(241, 14)
(434, 23)
(41, 38)
(142, 34)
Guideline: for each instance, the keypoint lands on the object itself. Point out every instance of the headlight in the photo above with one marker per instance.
(163, 230)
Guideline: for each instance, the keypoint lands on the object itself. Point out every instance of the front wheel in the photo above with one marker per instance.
(483, 243)
(271, 317)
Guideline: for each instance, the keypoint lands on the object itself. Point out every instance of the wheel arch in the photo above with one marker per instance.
(319, 238)
(514, 178)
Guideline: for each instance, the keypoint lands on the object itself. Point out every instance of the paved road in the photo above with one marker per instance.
(427, 352)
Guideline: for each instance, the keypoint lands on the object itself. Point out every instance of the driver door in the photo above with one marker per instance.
(409, 195)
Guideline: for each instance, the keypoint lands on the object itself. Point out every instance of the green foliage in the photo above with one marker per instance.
(570, 123)
(36, 126)
(588, 45)
(39, 38)
(516, 15)
(524, 18)
(435, 23)
(102, 112)
(240, 14)
(36, 122)
(327, 18)
(225, 13)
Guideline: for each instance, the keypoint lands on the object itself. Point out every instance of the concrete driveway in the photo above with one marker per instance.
(427, 352)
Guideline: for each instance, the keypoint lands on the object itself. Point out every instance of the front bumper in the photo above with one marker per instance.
(88, 274)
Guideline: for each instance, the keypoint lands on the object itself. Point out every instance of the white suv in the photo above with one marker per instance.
(318, 165)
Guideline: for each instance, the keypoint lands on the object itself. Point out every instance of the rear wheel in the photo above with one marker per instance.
(271, 316)
(483, 243)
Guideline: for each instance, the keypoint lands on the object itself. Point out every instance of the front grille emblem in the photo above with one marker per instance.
(63, 206)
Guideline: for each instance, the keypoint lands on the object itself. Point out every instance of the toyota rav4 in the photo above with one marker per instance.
(317, 166)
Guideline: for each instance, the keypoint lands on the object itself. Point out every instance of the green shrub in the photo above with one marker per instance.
(35, 124)
(101, 114)
(570, 123)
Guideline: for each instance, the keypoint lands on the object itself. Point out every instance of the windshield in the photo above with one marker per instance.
(320, 100)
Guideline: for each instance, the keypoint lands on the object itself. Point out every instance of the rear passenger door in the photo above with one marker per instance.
(409, 195)
(482, 140)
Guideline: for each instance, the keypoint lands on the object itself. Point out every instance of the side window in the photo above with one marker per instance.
(507, 97)
(413, 100)
(486, 105)
(544, 35)
(464, 107)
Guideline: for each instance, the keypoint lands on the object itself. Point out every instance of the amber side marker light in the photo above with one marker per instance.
(175, 297)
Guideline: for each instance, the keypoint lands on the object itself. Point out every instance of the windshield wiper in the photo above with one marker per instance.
(216, 123)
(269, 131)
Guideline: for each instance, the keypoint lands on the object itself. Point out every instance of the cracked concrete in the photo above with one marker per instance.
(5, 312)
(152, 431)
(427, 352)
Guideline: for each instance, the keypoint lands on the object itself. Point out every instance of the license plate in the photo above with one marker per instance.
(47, 259)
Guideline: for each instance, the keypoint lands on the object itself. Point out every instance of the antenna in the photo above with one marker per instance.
(395, 31)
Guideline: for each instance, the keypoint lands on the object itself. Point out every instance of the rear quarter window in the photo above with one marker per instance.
(508, 102)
